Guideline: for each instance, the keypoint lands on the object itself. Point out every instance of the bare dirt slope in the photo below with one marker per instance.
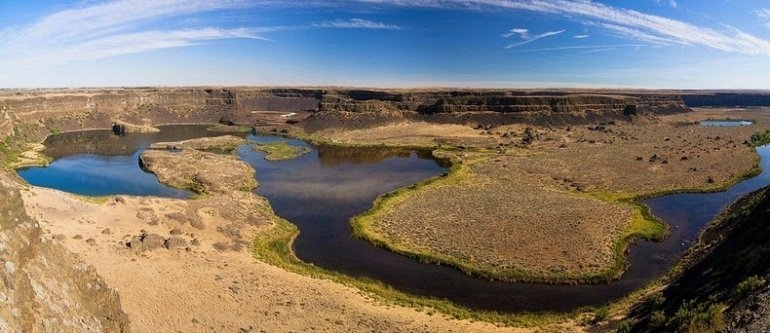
(206, 289)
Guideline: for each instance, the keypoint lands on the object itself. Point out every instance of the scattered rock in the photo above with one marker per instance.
(175, 242)
(153, 241)
(107, 231)
(91, 241)
(175, 232)
(135, 243)
(221, 246)
(197, 224)
(146, 242)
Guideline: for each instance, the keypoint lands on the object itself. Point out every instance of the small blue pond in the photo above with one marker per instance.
(727, 123)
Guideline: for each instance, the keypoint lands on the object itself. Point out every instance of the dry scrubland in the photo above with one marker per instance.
(187, 265)
(556, 211)
(544, 203)
(497, 222)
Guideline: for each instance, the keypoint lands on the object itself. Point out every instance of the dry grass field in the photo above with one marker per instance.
(555, 211)
(497, 222)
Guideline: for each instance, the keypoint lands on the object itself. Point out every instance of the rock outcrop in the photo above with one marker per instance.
(49, 111)
(45, 288)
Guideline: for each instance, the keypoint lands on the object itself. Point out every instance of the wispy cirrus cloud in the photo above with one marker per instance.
(585, 48)
(633, 33)
(356, 23)
(144, 41)
(764, 16)
(626, 23)
(673, 4)
(115, 28)
(580, 36)
(526, 38)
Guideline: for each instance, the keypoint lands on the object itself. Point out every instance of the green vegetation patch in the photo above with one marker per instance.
(760, 138)
(8, 154)
(281, 150)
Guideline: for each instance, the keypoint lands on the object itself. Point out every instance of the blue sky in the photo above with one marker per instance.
(688, 44)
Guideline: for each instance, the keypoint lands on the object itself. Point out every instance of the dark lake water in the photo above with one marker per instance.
(97, 163)
(321, 190)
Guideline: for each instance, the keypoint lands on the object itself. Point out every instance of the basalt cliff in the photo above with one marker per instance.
(50, 111)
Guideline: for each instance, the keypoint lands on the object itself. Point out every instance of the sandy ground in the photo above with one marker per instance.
(406, 133)
(208, 290)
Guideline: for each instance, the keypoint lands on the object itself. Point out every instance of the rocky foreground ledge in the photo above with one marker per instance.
(45, 287)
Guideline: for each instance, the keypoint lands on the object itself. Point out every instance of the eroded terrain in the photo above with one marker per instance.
(541, 192)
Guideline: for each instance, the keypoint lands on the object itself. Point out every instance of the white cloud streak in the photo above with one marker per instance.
(356, 23)
(633, 33)
(114, 28)
(580, 36)
(526, 38)
(578, 47)
(623, 22)
(764, 16)
(524, 33)
(598, 50)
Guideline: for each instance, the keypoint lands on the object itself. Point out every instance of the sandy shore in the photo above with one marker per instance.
(199, 288)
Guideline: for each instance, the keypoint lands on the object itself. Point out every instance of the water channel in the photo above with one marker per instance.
(321, 190)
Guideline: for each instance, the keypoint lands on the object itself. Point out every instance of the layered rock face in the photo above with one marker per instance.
(61, 110)
(364, 108)
(46, 289)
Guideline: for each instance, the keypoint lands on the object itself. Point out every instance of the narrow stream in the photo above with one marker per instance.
(321, 190)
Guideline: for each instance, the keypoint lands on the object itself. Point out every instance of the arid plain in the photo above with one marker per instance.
(534, 198)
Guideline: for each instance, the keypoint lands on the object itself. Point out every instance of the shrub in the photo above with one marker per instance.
(625, 326)
(657, 319)
(760, 138)
(750, 284)
(695, 316)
